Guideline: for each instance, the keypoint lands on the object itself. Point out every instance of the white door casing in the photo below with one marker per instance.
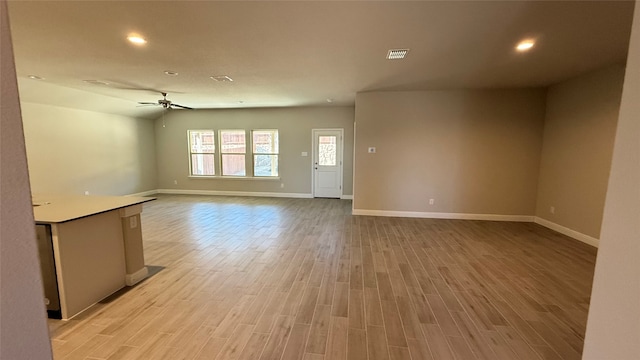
(327, 162)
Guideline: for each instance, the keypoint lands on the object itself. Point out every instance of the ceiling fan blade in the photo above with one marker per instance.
(126, 85)
(183, 107)
(147, 103)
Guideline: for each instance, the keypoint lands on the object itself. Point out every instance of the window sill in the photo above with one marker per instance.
(235, 177)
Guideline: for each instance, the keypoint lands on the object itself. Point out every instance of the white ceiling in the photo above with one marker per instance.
(288, 53)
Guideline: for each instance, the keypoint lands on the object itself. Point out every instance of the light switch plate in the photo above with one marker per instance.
(304, 153)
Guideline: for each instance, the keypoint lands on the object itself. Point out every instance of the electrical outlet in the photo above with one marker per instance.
(371, 150)
(282, 185)
(86, 192)
(552, 209)
(175, 182)
(133, 222)
(432, 201)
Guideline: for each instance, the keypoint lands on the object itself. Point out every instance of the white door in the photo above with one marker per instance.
(327, 163)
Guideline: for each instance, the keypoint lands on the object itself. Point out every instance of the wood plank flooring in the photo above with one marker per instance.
(259, 278)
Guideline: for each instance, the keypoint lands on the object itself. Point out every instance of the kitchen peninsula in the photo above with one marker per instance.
(90, 247)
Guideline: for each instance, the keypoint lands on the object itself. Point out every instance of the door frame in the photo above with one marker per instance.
(313, 158)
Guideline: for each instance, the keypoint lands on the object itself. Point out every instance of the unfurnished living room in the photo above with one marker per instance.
(320, 180)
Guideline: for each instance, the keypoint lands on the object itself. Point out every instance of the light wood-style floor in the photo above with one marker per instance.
(258, 278)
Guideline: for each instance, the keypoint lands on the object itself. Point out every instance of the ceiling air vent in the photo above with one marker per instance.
(397, 54)
(221, 78)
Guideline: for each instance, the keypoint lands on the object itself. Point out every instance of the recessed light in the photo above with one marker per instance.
(136, 39)
(525, 45)
(397, 54)
(97, 82)
(221, 78)
(171, 73)
(35, 77)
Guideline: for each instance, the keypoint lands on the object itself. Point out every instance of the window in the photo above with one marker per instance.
(265, 153)
(233, 149)
(230, 159)
(327, 150)
(202, 150)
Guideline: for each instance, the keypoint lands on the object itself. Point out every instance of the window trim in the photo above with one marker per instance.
(214, 153)
(217, 155)
(220, 131)
(253, 154)
(228, 177)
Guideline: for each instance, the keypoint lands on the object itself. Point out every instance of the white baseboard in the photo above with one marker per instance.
(566, 231)
(411, 214)
(231, 193)
(136, 277)
(490, 217)
(234, 193)
(439, 215)
(145, 193)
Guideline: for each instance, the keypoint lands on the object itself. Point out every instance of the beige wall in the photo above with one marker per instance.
(474, 152)
(23, 327)
(613, 327)
(578, 140)
(294, 125)
(73, 151)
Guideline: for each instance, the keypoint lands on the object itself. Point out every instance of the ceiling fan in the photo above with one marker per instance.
(167, 104)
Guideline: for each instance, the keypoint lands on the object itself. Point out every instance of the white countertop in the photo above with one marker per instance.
(57, 208)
